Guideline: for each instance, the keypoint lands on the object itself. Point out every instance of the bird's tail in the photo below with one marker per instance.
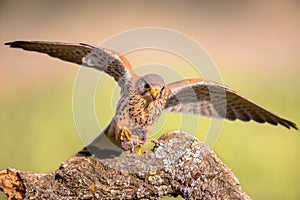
(102, 147)
(84, 152)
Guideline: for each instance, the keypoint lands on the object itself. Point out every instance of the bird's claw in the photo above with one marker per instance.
(130, 138)
(125, 133)
(139, 150)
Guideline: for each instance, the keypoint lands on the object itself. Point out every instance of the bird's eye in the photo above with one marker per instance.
(147, 86)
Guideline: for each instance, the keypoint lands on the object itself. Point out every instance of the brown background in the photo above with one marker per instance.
(255, 44)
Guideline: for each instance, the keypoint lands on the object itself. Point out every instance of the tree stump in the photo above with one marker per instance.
(178, 164)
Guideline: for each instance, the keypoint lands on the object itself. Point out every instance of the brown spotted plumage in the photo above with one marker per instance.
(144, 98)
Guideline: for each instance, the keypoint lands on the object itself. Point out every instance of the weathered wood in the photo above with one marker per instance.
(178, 165)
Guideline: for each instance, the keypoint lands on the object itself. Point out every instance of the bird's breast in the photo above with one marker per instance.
(143, 113)
(133, 111)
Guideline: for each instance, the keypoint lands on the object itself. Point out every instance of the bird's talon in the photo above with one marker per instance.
(125, 133)
(121, 137)
(139, 150)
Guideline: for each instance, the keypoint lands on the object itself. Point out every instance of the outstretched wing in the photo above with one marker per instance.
(207, 98)
(105, 60)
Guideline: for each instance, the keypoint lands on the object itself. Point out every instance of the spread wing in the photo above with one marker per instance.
(206, 98)
(105, 60)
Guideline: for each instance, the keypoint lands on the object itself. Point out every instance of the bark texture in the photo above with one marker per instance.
(178, 165)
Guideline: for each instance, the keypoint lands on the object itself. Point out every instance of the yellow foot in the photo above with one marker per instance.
(125, 133)
(139, 150)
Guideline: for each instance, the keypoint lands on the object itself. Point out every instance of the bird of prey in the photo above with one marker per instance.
(144, 98)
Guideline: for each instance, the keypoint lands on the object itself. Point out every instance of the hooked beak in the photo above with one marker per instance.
(154, 93)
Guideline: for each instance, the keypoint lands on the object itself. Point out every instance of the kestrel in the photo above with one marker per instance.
(144, 98)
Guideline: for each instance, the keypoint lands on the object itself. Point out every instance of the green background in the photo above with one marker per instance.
(255, 46)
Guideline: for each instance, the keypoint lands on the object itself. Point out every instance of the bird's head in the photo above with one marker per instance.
(150, 87)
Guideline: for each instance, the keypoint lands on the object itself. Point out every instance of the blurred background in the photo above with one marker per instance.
(255, 45)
